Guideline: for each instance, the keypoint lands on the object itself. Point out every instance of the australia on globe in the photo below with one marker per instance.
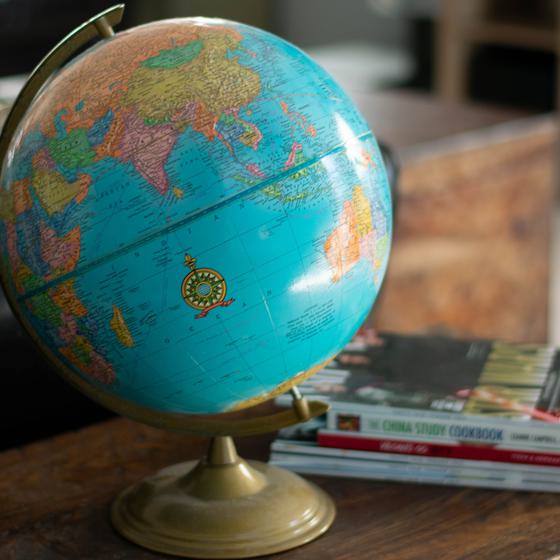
(193, 216)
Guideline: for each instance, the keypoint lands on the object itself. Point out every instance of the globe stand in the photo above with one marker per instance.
(222, 507)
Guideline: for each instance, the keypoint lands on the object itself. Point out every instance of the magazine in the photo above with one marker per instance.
(436, 389)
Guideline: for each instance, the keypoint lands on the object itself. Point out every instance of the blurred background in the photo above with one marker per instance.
(463, 92)
(497, 51)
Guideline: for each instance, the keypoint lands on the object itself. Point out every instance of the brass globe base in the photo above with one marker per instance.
(222, 507)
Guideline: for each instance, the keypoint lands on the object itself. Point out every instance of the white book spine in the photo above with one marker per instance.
(478, 480)
(436, 427)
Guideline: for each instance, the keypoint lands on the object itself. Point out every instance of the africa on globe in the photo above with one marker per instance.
(193, 217)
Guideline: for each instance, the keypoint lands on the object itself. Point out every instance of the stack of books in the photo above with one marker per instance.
(433, 409)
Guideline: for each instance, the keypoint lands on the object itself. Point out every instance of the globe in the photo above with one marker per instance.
(194, 217)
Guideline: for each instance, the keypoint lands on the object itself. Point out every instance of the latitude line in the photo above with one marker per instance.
(189, 218)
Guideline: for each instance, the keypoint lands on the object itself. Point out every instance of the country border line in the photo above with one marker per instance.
(188, 218)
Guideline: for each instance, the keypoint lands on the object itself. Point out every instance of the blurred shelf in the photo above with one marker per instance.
(408, 120)
(512, 34)
(461, 26)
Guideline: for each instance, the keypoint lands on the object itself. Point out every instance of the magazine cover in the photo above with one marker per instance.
(491, 408)
(442, 390)
(442, 374)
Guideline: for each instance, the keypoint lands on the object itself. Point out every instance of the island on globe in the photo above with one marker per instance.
(193, 217)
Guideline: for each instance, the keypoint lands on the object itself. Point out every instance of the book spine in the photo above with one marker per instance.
(396, 424)
(510, 481)
(427, 449)
(375, 459)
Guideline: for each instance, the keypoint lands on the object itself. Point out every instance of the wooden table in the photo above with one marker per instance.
(56, 494)
(471, 244)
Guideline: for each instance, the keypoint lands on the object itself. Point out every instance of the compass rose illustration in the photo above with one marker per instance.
(204, 288)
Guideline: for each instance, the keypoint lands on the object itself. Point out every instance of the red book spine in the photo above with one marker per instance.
(469, 452)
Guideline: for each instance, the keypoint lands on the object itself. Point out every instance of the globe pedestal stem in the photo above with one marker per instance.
(222, 507)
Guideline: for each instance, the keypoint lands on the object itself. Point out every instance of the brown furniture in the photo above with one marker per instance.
(56, 495)
(472, 236)
(462, 26)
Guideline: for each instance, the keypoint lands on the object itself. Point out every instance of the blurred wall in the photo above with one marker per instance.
(319, 22)
(253, 12)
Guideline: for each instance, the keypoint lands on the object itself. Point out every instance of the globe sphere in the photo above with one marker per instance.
(194, 217)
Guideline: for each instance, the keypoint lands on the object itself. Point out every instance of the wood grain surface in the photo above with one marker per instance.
(56, 495)
(471, 247)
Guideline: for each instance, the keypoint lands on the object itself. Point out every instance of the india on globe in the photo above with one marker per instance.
(194, 217)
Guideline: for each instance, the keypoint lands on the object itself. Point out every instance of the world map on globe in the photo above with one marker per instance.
(193, 216)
